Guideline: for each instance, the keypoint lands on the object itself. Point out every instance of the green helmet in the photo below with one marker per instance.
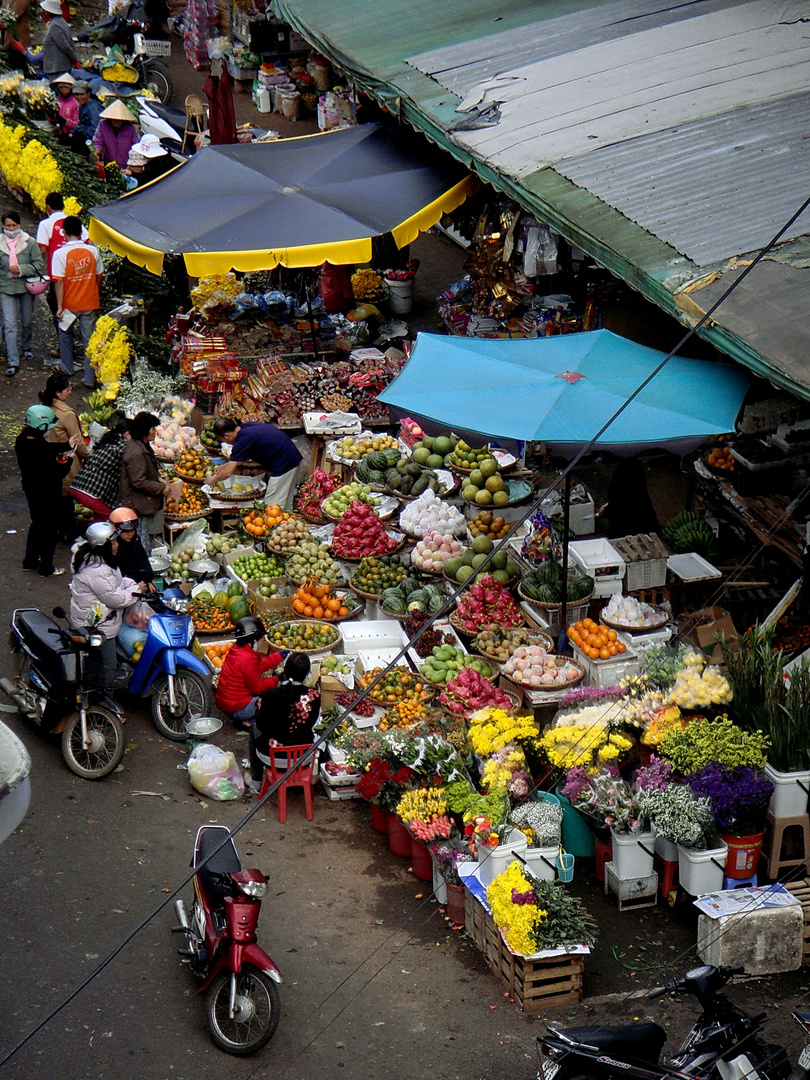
(40, 418)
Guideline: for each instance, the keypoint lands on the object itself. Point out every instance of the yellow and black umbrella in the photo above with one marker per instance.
(296, 202)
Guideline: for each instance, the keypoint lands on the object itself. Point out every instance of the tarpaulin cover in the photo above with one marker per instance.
(298, 202)
(561, 390)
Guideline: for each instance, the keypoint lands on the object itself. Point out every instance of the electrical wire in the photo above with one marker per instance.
(309, 755)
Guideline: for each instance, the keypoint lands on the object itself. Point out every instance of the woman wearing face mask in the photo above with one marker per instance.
(20, 258)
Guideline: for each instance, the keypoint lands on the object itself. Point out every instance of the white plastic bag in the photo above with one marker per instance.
(215, 773)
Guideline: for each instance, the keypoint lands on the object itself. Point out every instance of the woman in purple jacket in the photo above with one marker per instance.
(116, 134)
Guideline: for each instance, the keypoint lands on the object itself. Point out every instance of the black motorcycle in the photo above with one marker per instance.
(132, 30)
(56, 684)
(724, 1043)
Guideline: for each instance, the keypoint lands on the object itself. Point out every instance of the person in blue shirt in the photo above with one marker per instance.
(89, 110)
(265, 445)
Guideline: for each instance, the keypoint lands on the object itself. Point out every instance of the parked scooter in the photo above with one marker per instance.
(166, 123)
(52, 686)
(179, 683)
(120, 28)
(239, 978)
(723, 1044)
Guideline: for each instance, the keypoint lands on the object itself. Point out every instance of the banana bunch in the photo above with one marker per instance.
(688, 532)
(100, 408)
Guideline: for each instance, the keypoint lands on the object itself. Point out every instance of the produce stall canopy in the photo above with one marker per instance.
(561, 390)
(299, 202)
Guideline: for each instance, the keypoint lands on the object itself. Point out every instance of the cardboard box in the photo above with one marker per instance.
(701, 628)
(261, 603)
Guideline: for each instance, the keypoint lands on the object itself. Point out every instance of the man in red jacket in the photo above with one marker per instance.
(242, 676)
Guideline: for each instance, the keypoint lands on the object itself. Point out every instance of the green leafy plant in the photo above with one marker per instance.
(765, 700)
(681, 818)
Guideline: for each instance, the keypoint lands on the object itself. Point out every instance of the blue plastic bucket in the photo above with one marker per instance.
(577, 838)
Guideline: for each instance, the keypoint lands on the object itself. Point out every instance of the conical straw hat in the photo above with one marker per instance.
(116, 111)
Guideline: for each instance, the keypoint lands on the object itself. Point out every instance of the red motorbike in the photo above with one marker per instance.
(239, 978)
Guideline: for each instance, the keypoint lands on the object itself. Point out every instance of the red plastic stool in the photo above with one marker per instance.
(603, 849)
(667, 874)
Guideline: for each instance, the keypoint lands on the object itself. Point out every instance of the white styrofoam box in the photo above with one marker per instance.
(338, 756)
(610, 672)
(640, 643)
(581, 515)
(601, 561)
(371, 634)
(341, 780)
(766, 941)
(338, 794)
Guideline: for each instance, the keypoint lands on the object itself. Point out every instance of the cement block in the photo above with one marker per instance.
(764, 941)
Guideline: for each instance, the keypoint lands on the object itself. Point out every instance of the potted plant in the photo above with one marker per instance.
(688, 823)
(739, 800)
(765, 699)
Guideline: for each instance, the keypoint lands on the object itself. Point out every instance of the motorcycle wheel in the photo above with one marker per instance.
(157, 80)
(106, 748)
(258, 1010)
(193, 698)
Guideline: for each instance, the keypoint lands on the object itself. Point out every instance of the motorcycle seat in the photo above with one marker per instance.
(174, 117)
(643, 1042)
(35, 629)
(225, 861)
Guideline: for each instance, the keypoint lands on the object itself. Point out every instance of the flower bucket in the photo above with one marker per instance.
(379, 819)
(439, 885)
(496, 859)
(604, 854)
(399, 839)
(576, 836)
(743, 854)
(401, 296)
(789, 798)
(633, 854)
(701, 872)
(421, 861)
(665, 849)
(455, 904)
(542, 861)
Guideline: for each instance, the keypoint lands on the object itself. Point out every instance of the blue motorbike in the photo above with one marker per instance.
(179, 683)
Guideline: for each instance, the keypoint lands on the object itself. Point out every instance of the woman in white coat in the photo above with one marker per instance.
(100, 594)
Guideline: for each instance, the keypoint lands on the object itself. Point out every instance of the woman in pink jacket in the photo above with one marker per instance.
(66, 103)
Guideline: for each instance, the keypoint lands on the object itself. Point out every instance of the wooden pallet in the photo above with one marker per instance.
(801, 890)
(534, 984)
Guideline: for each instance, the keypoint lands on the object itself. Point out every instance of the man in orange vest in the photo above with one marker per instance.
(77, 270)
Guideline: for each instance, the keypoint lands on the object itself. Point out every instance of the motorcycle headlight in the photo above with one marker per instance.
(97, 640)
(255, 889)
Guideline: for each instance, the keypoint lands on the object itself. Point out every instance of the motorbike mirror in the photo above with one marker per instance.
(59, 613)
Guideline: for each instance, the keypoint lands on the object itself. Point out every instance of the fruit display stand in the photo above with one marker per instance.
(543, 981)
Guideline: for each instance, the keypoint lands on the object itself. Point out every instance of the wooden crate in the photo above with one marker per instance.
(646, 561)
(801, 890)
(534, 984)
(319, 459)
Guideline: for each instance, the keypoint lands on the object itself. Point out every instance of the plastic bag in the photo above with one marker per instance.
(215, 773)
(138, 615)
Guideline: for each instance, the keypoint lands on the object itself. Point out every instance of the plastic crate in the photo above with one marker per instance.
(601, 561)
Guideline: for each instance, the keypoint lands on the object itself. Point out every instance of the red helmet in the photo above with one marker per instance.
(124, 518)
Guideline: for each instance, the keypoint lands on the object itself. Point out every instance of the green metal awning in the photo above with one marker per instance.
(650, 135)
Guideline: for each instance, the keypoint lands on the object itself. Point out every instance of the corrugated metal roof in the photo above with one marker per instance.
(721, 186)
(573, 43)
(462, 67)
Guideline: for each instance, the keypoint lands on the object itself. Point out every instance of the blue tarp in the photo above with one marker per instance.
(562, 389)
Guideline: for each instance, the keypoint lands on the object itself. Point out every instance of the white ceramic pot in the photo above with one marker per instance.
(630, 858)
(701, 872)
(789, 798)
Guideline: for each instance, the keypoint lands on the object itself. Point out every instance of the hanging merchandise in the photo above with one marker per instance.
(200, 25)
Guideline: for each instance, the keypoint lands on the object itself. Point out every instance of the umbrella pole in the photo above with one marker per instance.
(564, 606)
(312, 330)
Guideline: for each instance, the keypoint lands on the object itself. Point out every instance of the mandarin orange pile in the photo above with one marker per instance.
(217, 652)
(596, 641)
(720, 458)
(316, 601)
(260, 520)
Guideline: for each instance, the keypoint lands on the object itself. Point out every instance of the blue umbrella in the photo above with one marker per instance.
(561, 390)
